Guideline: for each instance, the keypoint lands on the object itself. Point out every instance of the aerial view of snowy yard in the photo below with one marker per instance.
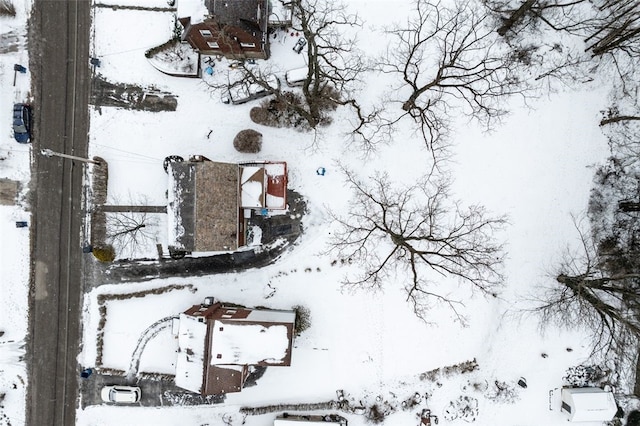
(462, 244)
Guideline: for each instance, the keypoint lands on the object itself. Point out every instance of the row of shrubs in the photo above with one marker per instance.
(101, 250)
(154, 50)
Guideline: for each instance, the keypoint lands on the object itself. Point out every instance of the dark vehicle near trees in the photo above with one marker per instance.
(22, 122)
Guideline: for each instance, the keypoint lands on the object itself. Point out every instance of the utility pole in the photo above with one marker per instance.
(49, 153)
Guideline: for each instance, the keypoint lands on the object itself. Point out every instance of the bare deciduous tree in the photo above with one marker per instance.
(127, 231)
(449, 58)
(333, 61)
(625, 107)
(568, 40)
(606, 26)
(621, 124)
(129, 228)
(418, 229)
(588, 294)
(618, 118)
(518, 15)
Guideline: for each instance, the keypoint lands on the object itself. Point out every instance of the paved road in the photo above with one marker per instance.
(59, 46)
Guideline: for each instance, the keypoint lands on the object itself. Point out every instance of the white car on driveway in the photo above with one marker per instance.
(120, 394)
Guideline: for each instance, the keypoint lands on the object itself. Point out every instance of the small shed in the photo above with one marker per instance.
(588, 404)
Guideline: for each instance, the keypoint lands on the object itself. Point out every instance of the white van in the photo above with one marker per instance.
(245, 93)
(287, 419)
(296, 77)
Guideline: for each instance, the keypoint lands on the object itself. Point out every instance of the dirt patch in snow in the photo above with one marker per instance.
(127, 96)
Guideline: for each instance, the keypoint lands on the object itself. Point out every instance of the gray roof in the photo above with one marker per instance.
(238, 13)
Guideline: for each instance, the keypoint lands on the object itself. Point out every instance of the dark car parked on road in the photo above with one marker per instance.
(22, 122)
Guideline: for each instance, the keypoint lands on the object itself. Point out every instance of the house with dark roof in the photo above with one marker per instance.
(235, 29)
(210, 202)
(218, 345)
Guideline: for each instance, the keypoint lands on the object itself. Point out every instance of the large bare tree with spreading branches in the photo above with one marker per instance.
(449, 59)
(418, 229)
(334, 66)
(609, 31)
(333, 60)
(589, 293)
(606, 26)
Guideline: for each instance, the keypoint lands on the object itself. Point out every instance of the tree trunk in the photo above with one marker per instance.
(611, 42)
(619, 118)
(636, 389)
(129, 230)
(411, 102)
(516, 16)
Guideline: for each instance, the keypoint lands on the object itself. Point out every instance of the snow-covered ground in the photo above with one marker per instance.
(536, 168)
(14, 249)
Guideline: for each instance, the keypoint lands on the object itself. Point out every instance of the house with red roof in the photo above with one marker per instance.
(219, 344)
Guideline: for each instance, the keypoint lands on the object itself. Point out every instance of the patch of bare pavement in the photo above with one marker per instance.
(129, 96)
(155, 389)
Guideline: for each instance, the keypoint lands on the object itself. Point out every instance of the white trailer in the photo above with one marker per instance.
(296, 77)
(588, 404)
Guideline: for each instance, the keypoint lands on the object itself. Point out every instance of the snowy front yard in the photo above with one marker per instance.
(14, 248)
(535, 170)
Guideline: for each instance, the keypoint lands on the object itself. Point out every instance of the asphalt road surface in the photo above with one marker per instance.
(59, 64)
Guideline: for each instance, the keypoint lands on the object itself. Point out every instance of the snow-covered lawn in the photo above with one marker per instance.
(14, 249)
(536, 168)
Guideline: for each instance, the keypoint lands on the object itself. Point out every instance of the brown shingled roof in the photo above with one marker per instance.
(217, 209)
(221, 379)
(207, 205)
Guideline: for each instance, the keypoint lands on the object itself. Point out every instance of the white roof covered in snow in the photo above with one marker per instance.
(252, 186)
(258, 181)
(588, 404)
(275, 169)
(195, 9)
(248, 343)
(269, 316)
(174, 198)
(190, 362)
